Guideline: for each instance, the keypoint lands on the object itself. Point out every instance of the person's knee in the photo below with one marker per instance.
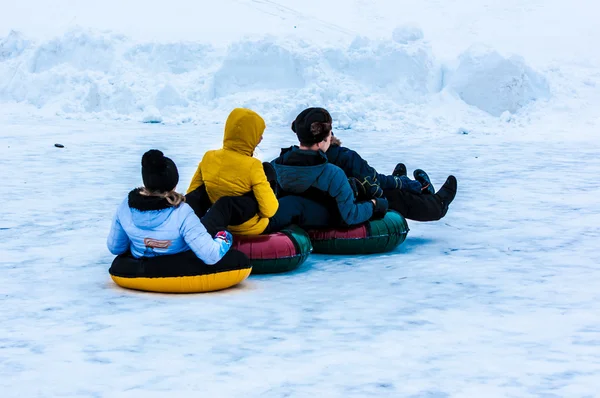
(224, 201)
(291, 206)
(236, 257)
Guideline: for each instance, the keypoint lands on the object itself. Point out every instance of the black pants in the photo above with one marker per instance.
(173, 265)
(228, 210)
(305, 213)
(424, 207)
(235, 210)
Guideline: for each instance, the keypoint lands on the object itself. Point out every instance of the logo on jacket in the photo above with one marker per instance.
(157, 244)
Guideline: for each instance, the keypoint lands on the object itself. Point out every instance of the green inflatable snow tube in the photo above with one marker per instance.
(377, 236)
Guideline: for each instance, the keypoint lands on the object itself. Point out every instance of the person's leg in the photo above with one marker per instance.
(413, 206)
(229, 210)
(233, 259)
(198, 200)
(422, 207)
(187, 263)
(300, 211)
(420, 176)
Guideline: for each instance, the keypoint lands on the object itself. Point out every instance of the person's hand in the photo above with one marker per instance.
(225, 237)
(225, 240)
(380, 207)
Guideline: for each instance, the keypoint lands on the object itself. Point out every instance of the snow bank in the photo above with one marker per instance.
(258, 65)
(90, 74)
(12, 46)
(496, 84)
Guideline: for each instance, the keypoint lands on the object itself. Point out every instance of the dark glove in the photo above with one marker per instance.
(357, 189)
(366, 189)
(372, 188)
(380, 208)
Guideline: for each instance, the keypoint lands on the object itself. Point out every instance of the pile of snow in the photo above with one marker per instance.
(89, 74)
(407, 33)
(12, 46)
(496, 84)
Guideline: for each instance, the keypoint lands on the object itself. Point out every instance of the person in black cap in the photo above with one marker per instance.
(414, 199)
(154, 221)
(320, 190)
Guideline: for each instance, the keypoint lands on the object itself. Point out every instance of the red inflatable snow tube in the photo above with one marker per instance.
(358, 232)
(278, 252)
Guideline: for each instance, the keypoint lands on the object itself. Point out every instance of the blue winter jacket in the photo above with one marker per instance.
(355, 166)
(155, 228)
(304, 173)
(373, 182)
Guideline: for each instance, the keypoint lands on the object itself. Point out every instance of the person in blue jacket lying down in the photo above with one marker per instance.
(414, 199)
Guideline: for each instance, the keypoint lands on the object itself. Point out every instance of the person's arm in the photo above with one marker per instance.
(267, 201)
(372, 182)
(355, 166)
(199, 240)
(352, 212)
(117, 242)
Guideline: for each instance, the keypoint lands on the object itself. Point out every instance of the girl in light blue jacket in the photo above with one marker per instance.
(155, 220)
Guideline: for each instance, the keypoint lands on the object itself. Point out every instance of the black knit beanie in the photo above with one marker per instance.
(312, 125)
(159, 172)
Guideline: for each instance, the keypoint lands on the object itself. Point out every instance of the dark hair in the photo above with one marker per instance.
(312, 125)
(320, 131)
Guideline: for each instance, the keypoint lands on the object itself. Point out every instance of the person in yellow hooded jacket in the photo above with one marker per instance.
(233, 171)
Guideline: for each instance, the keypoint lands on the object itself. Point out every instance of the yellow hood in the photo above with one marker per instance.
(243, 130)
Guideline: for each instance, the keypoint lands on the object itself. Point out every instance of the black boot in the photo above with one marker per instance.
(423, 178)
(399, 170)
(447, 193)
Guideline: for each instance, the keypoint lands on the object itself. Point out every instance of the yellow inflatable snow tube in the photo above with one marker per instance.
(179, 273)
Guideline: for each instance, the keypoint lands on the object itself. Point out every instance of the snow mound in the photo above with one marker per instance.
(152, 115)
(169, 96)
(406, 72)
(404, 34)
(258, 65)
(90, 74)
(12, 45)
(78, 49)
(496, 84)
(175, 58)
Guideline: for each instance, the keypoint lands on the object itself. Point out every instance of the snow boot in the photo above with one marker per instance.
(399, 170)
(423, 178)
(447, 193)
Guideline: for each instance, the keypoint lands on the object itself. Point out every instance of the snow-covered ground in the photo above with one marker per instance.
(498, 299)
